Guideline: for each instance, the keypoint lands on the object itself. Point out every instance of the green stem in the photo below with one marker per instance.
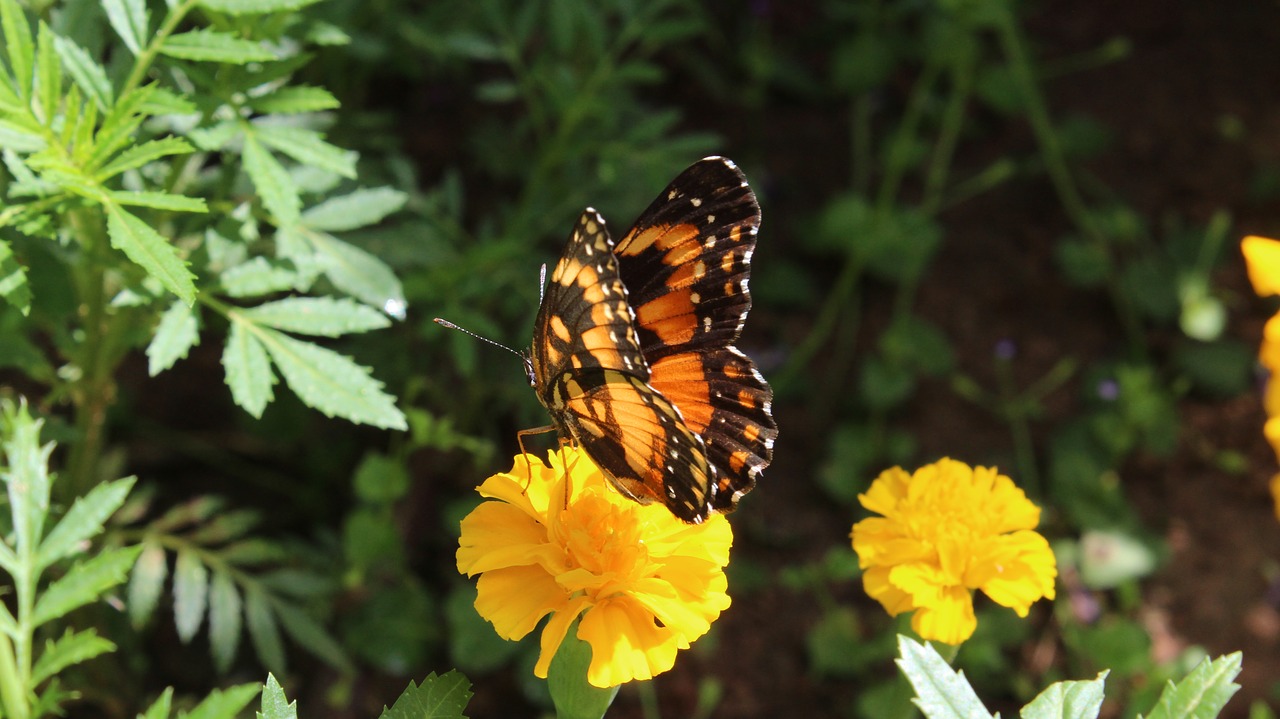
(1015, 412)
(92, 391)
(896, 164)
(948, 135)
(1060, 175)
(149, 53)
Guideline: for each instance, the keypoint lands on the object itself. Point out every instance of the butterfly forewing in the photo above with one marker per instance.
(591, 375)
(685, 264)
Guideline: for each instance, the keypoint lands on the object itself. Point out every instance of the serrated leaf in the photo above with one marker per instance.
(437, 697)
(225, 703)
(159, 709)
(177, 333)
(26, 476)
(190, 594)
(84, 583)
(279, 193)
(119, 127)
(139, 155)
(129, 19)
(1067, 700)
(213, 46)
(148, 249)
(1202, 693)
(224, 620)
(48, 74)
(292, 99)
(357, 273)
(86, 72)
(263, 631)
(255, 7)
(274, 703)
(308, 147)
(253, 551)
(13, 280)
(258, 276)
(215, 136)
(19, 43)
(322, 316)
(332, 383)
(164, 102)
(941, 692)
(306, 632)
(248, 370)
(146, 583)
(358, 209)
(70, 649)
(159, 200)
(19, 139)
(8, 624)
(84, 520)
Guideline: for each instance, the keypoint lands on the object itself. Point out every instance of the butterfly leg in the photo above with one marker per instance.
(520, 435)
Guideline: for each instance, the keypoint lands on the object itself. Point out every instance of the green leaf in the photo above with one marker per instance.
(119, 127)
(26, 472)
(941, 692)
(215, 46)
(358, 209)
(255, 7)
(17, 40)
(308, 147)
(258, 276)
(1067, 700)
(86, 72)
(323, 316)
(70, 649)
(215, 136)
(129, 19)
(159, 200)
(1202, 693)
(84, 520)
(263, 630)
(84, 583)
(19, 139)
(48, 74)
(247, 368)
(146, 583)
(332, 383)
(152, 252)
(159, 709)
(139, 155)
(226, 703)
(292, 99)
(274, 703)
(279, 193)
(13, 280)
(164, 102)
(438, 697)
(177, 333)
(190, 594)
(224, 620)
(359, 273)
(310, 635)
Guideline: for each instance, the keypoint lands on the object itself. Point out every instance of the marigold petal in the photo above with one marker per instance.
(626, 643)
(1271, 396)
(949, 620)
(554, 632)
(886, 492)
(875, 582)
(498, 535)
(1019, 571)
(1271, 430)
(1262, 259)
(515, 599)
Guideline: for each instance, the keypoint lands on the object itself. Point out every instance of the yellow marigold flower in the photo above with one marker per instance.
(1262, 258)
(945, 531)
(644, 583)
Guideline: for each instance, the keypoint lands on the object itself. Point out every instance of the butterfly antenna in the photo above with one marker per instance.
(452, 326)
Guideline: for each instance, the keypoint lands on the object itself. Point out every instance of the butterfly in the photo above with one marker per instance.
(633, 355)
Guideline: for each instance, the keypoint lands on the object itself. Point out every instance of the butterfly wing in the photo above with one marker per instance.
(591, 375)
(686, 264)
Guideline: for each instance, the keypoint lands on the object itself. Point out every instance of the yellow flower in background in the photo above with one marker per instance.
(644, 583)
(945, 531)
(1262, 259)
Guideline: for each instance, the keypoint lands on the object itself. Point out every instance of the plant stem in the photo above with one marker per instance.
(148, 55)
(92, 392)
(13, 694)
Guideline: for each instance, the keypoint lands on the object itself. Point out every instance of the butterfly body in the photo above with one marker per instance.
(632, 353)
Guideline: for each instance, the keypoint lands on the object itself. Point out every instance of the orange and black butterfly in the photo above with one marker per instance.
(633, 350)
